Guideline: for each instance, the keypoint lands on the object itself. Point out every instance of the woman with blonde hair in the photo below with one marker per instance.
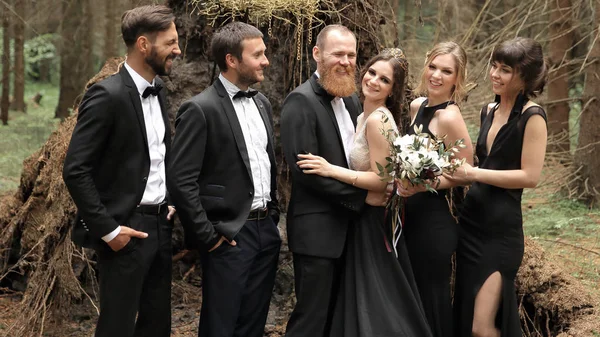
(430, 228)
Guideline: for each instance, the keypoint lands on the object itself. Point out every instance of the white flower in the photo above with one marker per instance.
(404, 142)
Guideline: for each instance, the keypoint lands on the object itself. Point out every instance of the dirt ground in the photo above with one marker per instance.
(82, 316)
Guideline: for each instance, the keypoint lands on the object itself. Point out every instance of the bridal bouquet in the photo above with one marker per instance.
(416, 159)
(419, 159)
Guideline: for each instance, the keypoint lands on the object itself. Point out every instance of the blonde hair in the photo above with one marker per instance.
(460, 59)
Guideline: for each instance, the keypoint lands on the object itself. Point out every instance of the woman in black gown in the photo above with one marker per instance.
(378, 296)
(430, 228)
(511, 148)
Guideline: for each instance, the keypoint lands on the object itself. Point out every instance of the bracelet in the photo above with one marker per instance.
(354, 180)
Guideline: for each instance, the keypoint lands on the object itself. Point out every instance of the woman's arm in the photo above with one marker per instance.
(378, 150)
(452, 125)
(532, 161)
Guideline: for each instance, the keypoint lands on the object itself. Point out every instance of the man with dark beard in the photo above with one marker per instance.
(223, 182)
(319, 117)
(115, 172)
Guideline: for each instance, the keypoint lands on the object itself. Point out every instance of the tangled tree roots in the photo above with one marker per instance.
(35, 224)
(553, 302)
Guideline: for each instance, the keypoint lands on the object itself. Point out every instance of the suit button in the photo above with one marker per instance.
(145, 179)
(250, 193)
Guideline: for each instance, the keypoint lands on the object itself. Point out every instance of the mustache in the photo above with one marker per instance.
(349, 68)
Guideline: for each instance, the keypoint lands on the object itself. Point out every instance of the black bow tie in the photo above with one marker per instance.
(152, 90)
(247, 94)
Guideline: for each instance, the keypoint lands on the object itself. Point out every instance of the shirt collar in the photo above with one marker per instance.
(231, 88)
(140, 83)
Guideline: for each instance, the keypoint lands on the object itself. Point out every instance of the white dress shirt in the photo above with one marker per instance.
(342, 116)
(156, 190)
(256, 139)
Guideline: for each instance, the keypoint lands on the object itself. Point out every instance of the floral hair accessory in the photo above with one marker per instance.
(398, 55)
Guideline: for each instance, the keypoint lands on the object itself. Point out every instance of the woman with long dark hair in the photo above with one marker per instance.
(378, 295)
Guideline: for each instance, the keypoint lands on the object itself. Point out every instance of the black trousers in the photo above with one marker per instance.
(317, 281)
(136, 281)
(237, 282)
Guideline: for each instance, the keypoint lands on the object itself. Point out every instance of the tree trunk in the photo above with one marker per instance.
(408, 25)
(561, 36)
(111, 30)
(441, 23)
(19, 74)
(72, 59)
(588, 145)
(87, 66)
(4, 104)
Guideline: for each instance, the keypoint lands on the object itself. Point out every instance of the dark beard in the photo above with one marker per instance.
(247, 79)
(159, 68)
(247, 76)
(338, 86)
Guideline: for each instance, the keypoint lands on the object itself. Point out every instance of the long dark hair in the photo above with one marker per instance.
(395, 102)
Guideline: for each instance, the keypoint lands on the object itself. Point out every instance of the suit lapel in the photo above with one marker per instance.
(325, 100)
(265, 117)
(234, 123)
(165, 115)
(352, 108)
(134, 95)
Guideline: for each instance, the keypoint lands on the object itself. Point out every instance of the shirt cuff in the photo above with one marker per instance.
(108, 237)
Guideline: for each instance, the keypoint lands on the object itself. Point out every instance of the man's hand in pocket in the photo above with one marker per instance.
(124, 237)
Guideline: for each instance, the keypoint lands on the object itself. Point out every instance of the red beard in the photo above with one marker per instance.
(335, 83)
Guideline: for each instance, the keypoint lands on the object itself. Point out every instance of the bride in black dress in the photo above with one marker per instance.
(430, 227)
(511, 148)
(378, 295)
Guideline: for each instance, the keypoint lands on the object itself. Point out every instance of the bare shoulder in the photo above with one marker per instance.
(378, 117)
(378, 121)
(531, 104)
(451, 114)
(416, 104)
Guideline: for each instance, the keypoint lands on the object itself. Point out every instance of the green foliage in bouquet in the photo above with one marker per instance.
(419, 159)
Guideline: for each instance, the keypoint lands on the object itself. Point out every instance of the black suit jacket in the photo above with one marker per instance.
(210, 180)
(320, 208)
(108, 161)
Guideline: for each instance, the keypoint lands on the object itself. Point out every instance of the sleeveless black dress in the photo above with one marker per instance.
(491, 225)
(431, 237)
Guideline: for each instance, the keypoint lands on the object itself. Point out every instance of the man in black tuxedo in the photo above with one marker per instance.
(223, 183)
(115, 172)
(319, 117)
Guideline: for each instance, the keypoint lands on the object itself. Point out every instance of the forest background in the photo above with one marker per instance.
(51, 48)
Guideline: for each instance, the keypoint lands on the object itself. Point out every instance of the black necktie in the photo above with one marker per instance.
(247, 94)
(152, 90)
